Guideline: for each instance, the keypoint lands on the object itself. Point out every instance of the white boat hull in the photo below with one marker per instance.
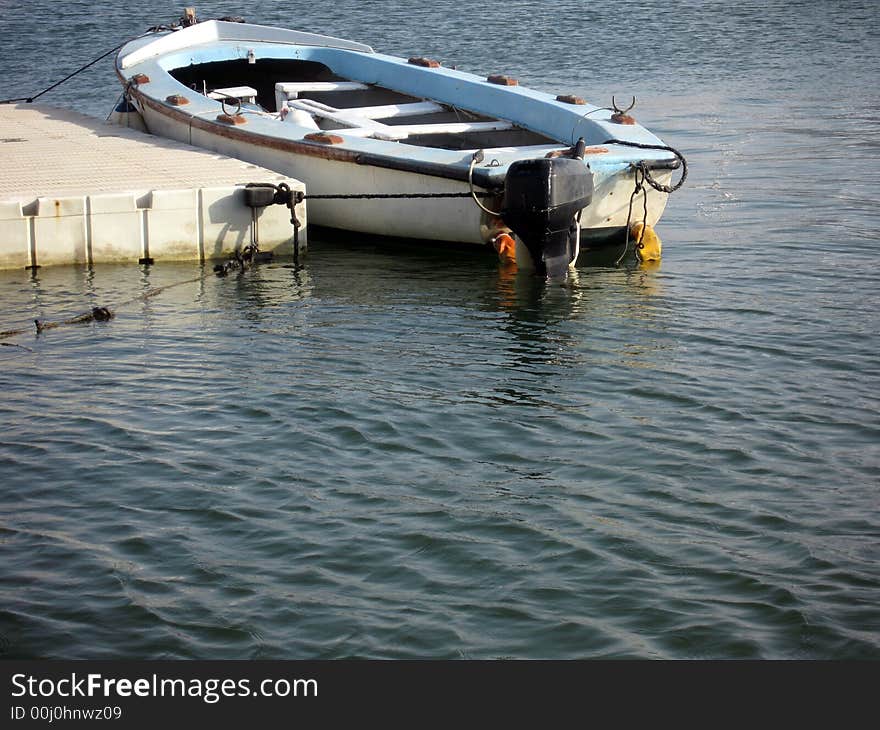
(366, 156)
(444, 219)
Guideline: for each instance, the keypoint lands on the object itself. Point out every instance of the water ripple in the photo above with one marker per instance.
(413, 454)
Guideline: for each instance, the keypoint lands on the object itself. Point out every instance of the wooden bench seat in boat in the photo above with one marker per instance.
(400, 132)
(360, 121)
(285, 90)
(383, 111)
(245, 93)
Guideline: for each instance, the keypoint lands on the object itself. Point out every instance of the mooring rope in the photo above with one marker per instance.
(30, 99)
(478, 156)
(13, 344)
(242, 259)
(96, 314)
(149, 31)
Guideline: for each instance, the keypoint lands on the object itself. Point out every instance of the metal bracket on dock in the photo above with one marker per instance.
(261, 195)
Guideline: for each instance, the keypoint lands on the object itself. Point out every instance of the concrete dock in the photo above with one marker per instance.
(76, 190)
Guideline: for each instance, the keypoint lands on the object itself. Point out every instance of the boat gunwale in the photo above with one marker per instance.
(423, 82)
(482, 177)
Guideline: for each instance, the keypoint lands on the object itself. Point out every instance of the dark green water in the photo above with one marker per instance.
(414, 454)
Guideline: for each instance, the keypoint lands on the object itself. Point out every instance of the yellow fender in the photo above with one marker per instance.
(648, 244)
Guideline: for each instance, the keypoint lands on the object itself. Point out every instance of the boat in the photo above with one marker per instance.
(404, 147)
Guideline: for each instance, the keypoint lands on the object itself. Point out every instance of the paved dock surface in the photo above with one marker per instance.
(163, 198)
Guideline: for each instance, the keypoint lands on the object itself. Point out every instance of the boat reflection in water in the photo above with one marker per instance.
(352, 306)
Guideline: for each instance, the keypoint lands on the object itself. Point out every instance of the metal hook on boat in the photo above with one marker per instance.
(622, 111)
(237, 108)
(621, 116)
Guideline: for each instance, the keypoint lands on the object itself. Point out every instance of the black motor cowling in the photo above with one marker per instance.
(541, 199)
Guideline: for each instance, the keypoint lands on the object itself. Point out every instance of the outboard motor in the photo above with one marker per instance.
(541, 199)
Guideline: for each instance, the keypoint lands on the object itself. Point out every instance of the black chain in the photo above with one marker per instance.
(641, 178)
(643, 166)
(238, 260)
(385, 196)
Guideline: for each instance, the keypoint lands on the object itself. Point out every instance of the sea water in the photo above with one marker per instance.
(415, 454)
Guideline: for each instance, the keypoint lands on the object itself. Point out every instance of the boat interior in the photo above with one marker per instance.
(310, 94)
